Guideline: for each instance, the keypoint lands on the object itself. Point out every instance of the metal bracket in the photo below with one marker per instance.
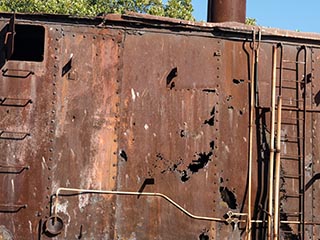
(9, 38)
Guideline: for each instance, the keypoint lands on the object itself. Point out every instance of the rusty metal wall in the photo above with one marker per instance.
(147, 108)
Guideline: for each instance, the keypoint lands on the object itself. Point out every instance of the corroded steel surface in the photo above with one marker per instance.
(227, 11)
(149, 104)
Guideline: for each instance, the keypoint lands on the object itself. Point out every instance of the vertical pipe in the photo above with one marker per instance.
(277, 175)
(252, 105)
(227, 11)
(302, 191)
(271, 159)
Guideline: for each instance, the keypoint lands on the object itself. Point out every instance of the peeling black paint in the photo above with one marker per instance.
(209, 90)
(159, 156)
(184, 176)
(212, 144)
(173, 73)
(123, 155)
(201, 162)
(203, 236)
(210, 121)
(228, 197)
(238, 81)
(183, 133)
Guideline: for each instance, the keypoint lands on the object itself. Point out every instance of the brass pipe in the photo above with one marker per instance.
(149, 194)
(277, 175)
(252, 107)
(271, 159)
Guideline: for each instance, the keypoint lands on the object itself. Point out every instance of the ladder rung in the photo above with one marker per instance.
(289, 141)
(291, 156)
(294, 100)
(290, 61)
(287, 87)
(290, 159)
(287, 123)
(296, 81)
(293, 214)
(295, 119)
(291, 137)
(292, 176)
(293, 195)
(289, 69)
(290, 108)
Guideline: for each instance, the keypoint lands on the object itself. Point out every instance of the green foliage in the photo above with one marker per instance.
(173, 8)
(251, 21)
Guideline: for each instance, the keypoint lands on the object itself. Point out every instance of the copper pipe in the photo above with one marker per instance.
(227, 11)
(271, 159)
(277, 175)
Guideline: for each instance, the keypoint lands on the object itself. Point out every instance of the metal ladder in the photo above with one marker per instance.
(295, 139)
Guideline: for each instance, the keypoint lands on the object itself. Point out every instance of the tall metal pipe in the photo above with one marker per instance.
(227, 11)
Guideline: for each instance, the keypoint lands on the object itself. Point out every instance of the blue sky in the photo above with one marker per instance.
(284, 14)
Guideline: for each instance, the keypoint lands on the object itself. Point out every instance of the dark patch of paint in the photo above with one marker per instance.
(209, 90)
(123, 155)
(183, 133)
(228, 197)
(203, 236)
(173, 73)
(184, 176)
(317, 99)
(159, 156)
(238, 81)
(212, 144)
(201, 162)
(210, 121)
